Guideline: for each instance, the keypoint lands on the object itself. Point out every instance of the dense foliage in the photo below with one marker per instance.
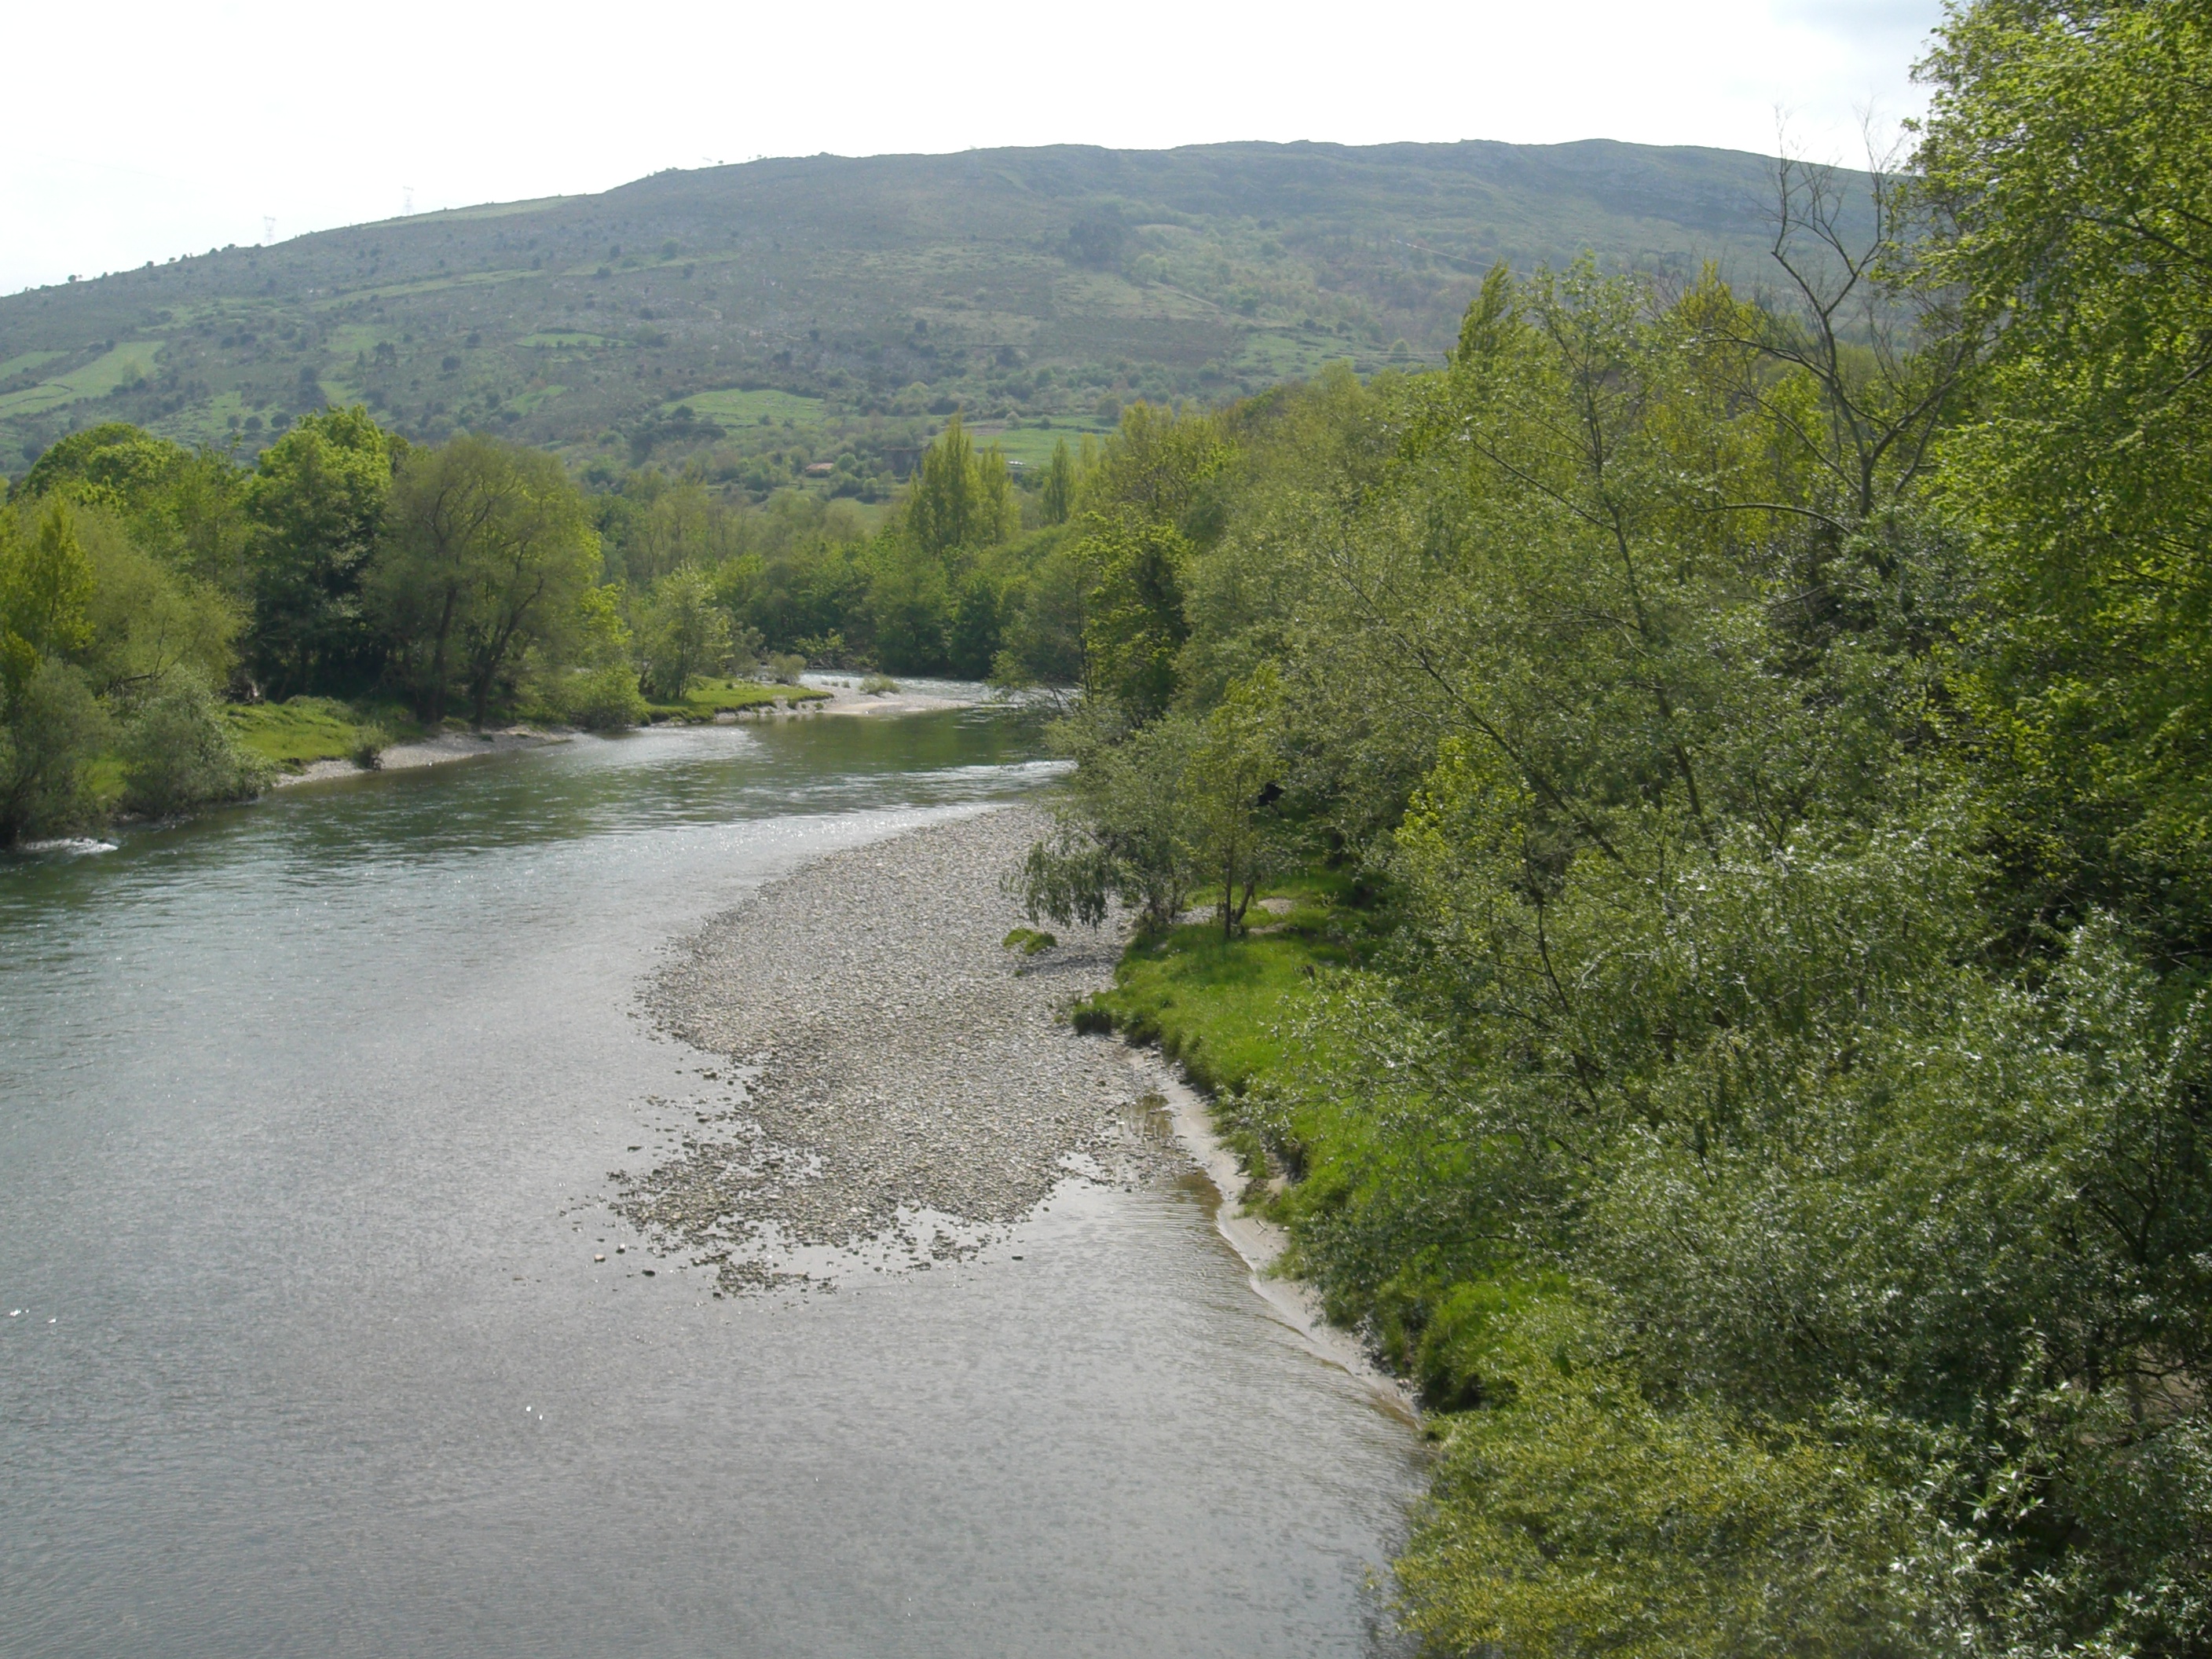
(1765, 1107)
(141, 583)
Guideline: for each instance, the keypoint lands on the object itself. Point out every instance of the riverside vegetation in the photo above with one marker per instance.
(1739, 1039)
(175, 626)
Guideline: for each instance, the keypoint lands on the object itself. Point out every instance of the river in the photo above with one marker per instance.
(306, 1111)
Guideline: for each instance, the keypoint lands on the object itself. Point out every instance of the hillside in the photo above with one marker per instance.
(767, 311)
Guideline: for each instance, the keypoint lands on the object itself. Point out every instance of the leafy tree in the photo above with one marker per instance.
(599, 689)
(148, 619)
(45, 595)
(686, 634)
(2067, 164)
(489, 551)
(52, 731)
(318, 501)
(179, 752)
(1058, 499)
(114, 465)
(961, 499)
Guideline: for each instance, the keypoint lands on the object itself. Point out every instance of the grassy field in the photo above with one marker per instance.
(295, 734)
(756, 408)
(24, 362)
(131, 361)
(711, 698)
(1032, 446)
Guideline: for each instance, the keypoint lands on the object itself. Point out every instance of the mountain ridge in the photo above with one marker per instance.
(1020, 285)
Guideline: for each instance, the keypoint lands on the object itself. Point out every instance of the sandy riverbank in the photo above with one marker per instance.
(848, 699)
(431, 751)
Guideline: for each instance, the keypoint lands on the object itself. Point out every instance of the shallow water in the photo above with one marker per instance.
(305, 1114)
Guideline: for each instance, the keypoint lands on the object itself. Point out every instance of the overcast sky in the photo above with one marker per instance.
(137, 130)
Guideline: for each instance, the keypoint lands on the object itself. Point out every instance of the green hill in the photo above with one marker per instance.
(830, 303)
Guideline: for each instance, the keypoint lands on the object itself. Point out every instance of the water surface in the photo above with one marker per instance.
(306, 1110)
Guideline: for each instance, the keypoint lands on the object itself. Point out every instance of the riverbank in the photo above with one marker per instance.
(446, 747)
(900, 1087)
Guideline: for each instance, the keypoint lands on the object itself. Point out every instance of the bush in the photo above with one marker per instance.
(876, 685)
(785, 668)
(368, 746)
(600, 700)
(47, 745)
(179, 753)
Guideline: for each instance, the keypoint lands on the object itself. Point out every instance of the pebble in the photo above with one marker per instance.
(898, 1064)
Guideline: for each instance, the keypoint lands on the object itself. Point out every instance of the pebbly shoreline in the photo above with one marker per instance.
(908, 1087)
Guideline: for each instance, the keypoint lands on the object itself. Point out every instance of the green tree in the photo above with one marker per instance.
(2067, 164)
(489, 551)
(177, 751)
(45, 595)
(961, 499)
(318, 501)
(597, 689)
(686, 634)
(53, 730)
(1059, 501)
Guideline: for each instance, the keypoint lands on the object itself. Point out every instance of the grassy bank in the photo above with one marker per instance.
(294, 735)
(1232, 1012)
(711, 698)
(1226, 1009)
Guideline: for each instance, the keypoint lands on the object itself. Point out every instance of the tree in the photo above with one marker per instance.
(961, 499)
(2066, 169)
(45, 595)
(317, 500)
(50, 725)
(52, 731)
(489, 551)
(1231, 781)
(178, 752)
(1059, 485)
(686, 634)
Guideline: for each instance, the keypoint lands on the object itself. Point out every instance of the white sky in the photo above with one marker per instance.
(135, 130)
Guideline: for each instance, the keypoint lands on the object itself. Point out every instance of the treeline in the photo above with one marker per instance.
(143, 585)
(1770, 746)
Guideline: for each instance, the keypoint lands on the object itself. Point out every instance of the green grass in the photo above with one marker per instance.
(1033, 445)
(24, 361)
(98, 378)
(294, 735)
(1217, 1005)
(711, 698)
(743, 408)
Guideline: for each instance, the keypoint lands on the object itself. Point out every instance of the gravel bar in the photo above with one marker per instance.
(910, 1087)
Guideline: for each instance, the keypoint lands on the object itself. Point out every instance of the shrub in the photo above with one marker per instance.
(179, 752)
(785, 668)
(600, 700)
(876, 685)
(369, 744)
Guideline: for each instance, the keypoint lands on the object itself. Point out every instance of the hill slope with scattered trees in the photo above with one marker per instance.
(770, 316)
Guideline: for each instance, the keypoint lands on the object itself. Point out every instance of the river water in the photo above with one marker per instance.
(306, 1110)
